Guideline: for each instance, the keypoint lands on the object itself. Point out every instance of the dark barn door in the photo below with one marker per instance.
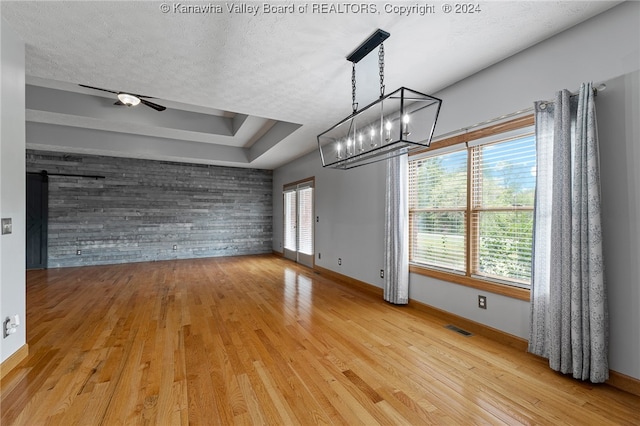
(37, 214)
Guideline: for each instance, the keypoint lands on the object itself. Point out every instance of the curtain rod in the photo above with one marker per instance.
(601, 87)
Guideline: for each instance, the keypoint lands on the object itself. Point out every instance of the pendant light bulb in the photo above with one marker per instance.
(405, 125)
(372, 137)
(388, 127)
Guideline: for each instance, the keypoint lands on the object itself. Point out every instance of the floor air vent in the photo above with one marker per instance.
(458, 330)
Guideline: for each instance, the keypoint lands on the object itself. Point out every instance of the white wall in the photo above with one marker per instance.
(604, 49)
(619, 131)
(12, 185)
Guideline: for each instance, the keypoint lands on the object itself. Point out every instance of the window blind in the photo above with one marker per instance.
(437, 204)
(503, 194)
(290, 220)
(305, 220)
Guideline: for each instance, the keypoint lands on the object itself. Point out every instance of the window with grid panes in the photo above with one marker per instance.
(471, 208)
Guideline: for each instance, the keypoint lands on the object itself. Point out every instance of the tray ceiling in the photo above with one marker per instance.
(241, 88)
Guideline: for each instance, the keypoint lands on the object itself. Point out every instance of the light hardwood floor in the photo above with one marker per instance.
(261, 340)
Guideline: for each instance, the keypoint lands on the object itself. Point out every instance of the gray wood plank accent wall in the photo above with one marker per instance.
(143, 208)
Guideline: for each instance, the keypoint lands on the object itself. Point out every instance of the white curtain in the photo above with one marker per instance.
(396, 256)
(569, 316)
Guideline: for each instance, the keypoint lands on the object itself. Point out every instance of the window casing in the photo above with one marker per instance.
(471, 208)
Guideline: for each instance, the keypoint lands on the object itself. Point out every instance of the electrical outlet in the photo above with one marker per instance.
(317, 219)
(319, 256)
(339, 261)
(482, 302)
(381, 273)
(10, 325)
(6, 328)
(7, 227)
(78, 252)
(175, 247)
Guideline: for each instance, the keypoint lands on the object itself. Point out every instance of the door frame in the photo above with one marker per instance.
(44, 202)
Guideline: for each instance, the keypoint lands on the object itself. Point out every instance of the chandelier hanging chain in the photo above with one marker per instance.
(354, 104)
(381, 67)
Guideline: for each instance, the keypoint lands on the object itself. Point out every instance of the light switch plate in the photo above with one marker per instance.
(7, 228)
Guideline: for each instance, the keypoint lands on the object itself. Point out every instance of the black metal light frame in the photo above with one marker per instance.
(383, 118)
(399, 142)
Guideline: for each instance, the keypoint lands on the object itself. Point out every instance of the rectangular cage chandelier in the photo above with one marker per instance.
(385, 128)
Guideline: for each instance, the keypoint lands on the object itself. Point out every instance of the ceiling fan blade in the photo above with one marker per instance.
(97, 88)
(152, 105)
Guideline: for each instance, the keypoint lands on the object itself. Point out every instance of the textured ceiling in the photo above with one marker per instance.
(282, 75)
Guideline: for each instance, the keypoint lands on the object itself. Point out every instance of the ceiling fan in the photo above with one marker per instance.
(129, 99)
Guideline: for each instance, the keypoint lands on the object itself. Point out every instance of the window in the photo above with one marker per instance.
(290, 220)
(438, 210)
(298, 221)
(471, 206)
(305, 220)
(502, 209)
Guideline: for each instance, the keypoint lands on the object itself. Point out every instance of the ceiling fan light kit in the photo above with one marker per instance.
(128, 100)
(384, 129)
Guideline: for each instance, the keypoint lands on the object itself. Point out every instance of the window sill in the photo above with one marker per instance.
(502, 289)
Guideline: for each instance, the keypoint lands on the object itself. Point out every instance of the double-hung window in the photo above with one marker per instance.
(438, 210)
(471, 206)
